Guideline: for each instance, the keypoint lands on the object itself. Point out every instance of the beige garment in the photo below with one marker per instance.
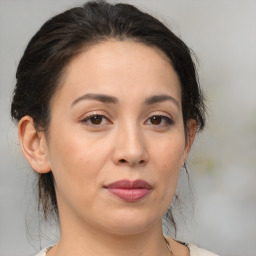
(194, 251)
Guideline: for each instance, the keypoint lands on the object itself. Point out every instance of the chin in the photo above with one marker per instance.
(130, 223)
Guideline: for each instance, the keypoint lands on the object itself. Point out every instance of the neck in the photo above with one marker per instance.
(86, 240)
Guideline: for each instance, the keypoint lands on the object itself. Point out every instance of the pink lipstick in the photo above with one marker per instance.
(130, 191)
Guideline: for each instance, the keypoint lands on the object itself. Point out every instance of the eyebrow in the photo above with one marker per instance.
(160, 98)
(113, 100)
(98, 97)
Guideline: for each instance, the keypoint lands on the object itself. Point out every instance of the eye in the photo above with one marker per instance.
(95, 120)
(159, 120)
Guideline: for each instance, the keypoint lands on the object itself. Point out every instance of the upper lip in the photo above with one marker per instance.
(129, 184)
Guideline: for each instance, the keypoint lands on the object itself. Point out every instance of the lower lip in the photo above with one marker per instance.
(128, 194)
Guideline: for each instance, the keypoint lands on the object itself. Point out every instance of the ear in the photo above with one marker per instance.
(190, 136)
(33, 144)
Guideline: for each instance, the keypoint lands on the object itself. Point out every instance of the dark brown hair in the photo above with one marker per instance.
(64, 36)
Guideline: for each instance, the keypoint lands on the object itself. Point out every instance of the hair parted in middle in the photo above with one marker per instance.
(65, 36)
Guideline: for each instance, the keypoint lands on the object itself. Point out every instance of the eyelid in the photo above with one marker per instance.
(164, 116)
(89, 115)
(98, 112)
(160, 113)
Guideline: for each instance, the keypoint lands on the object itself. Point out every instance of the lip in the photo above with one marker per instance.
(130, 191)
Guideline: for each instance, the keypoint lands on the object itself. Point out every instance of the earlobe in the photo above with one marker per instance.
(33, 145)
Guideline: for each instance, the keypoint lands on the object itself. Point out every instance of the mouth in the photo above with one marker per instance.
(130, 191)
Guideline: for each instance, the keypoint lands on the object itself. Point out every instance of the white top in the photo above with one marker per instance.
(194, 251)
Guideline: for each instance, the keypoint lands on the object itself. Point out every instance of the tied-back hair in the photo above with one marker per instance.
(64, 36)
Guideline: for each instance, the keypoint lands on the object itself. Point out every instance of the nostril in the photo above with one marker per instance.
(124, 161)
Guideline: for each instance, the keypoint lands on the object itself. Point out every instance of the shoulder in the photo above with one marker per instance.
(188, 249)
(44, 251)
(196, 251)
(193, 251)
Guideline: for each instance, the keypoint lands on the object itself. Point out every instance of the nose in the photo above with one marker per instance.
(130, 147)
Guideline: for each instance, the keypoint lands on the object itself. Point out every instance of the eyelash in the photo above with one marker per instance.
(167, 121)
(89, 118)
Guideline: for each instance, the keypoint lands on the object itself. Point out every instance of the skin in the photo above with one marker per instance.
(92, 142)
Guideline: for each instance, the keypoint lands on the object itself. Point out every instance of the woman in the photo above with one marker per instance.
(108, 105)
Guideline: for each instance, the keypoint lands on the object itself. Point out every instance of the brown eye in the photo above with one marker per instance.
(159, 121)
(96, 120)
(156, 120)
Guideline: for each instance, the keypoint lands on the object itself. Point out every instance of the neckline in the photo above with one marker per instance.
(188, 245)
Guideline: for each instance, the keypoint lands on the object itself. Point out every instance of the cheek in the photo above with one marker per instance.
(75, 162)
(171, 153)
(169, 161)
(72, 149)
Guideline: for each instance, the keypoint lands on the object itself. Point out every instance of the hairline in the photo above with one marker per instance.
(86, 47)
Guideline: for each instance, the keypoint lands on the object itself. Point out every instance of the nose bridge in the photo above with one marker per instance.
(130, 147)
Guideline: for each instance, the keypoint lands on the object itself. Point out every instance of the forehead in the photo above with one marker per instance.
(119, 67)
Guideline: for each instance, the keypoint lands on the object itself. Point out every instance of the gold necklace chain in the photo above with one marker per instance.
(168, 246)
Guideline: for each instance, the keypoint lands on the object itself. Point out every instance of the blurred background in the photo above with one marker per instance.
(221, 213)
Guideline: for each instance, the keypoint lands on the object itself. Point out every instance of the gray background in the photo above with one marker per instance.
(222, 164)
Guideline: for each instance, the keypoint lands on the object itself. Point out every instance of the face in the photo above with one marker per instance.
(116, 137)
